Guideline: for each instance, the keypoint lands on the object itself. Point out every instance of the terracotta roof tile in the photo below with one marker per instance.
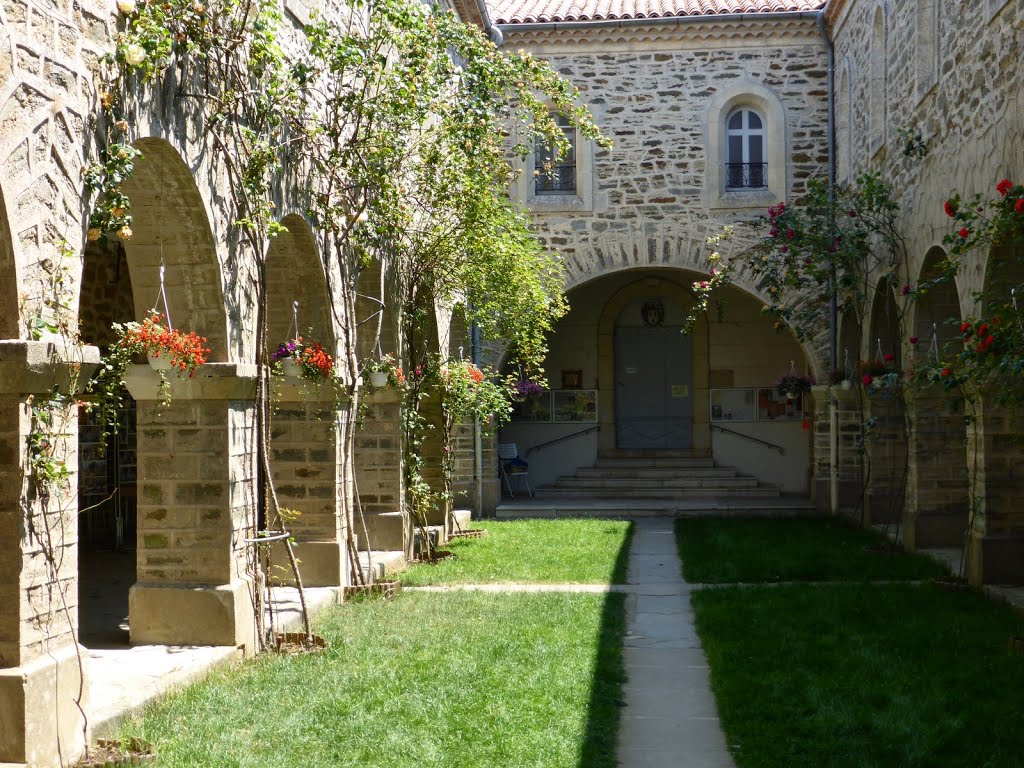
(542, 11)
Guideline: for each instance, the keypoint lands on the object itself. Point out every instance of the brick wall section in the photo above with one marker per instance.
(303, 456)
(32, 615)
(378, 453)
(195, 485)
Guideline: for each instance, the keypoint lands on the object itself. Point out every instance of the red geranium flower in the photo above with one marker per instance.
(1004, 186)
(888, 357)
(950, 207)
(965, 328)
(1019, 207)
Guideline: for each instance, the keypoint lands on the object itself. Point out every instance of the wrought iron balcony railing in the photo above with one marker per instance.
(746, 175)
(560, 180)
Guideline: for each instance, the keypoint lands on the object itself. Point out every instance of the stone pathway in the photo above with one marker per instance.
(670, 719)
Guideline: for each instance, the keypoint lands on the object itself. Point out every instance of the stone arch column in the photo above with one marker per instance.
(196, 460)
(937, 480)
(886, 446)
(40, 677)
(307, 425)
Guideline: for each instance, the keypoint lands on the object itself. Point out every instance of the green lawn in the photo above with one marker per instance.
(533, 551)
(859, 676)
(462, 679)
(722, 551)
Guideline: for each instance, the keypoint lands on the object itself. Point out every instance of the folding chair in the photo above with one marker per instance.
(513, 468)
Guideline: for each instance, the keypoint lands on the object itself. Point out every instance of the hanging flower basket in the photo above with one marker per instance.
(384, 370)
(300, 359)
(167, 349)
(523, 389)
(792, 385)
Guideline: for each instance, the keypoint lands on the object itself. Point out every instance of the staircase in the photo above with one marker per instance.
(656, 482)
(657, 474)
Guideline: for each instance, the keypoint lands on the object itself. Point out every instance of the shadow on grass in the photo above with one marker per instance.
(606, 694)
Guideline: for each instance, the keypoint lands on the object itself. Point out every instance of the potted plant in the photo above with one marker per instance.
(383, 371)
(879, 373)
(165, 347)
(304, 360)
(838, 378)
(522, 390)
(793, 384)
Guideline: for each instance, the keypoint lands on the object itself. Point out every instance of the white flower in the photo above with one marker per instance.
(126, 7)
(134, 54)
(714, 256)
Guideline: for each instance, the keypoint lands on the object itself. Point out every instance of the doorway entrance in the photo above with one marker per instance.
(653, 377)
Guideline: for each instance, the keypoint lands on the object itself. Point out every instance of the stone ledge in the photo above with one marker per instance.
(31, 367)
(213, 381)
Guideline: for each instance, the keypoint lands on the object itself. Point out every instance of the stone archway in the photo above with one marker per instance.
(937, 481)
(172, 226)
(886, 447)
(305, 429)
(996, 543)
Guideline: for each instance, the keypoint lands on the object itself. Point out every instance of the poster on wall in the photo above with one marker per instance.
(733, 405)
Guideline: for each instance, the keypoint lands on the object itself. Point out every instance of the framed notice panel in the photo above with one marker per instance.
(763, 404)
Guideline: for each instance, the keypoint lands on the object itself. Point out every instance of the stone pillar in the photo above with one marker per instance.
(196, 505)
(887, 451)
(305, 458)
(851, 455)
(995, 549)
(41, 678)
(937, 494)
(377, 466)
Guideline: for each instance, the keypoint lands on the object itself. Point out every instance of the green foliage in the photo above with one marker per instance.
(534, 552)
(48, 468)
(722, 551)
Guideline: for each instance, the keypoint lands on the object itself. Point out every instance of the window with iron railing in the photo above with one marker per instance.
(556, 177)
(745, 166)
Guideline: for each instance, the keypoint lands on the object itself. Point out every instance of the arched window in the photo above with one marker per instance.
(556, 177)
(745, 165)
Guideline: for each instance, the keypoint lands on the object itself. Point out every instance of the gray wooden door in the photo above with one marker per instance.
(653, 388)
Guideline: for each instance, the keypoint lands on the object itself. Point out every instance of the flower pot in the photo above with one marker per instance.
(162, 363)
(792, 395)
(517, 397)
(378, 379)
(291, 368)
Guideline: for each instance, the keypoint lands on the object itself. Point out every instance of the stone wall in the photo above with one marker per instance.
(949, 72)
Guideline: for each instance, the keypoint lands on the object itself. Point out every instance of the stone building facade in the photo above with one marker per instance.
(663, 80)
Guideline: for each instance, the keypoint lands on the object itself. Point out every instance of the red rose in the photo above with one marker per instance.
(913, 339)
(1003, 187)
(867, 379)
(906, 290)
(964, 232)
(982, 329)
(965, 328)
(950, 207)
(946, 372)
(1019, 207)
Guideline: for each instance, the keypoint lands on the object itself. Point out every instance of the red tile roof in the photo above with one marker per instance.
(541, 11)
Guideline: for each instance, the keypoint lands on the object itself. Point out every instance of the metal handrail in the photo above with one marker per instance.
(563, 438)
(779, 448)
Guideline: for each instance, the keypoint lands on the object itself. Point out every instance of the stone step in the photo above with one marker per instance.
(628, 485)
(652, 453)
(656, 473)
(380, 564)
(705, 462)
(383, 529)
(551, 492)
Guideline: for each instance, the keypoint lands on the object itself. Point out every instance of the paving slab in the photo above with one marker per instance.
(670, 718)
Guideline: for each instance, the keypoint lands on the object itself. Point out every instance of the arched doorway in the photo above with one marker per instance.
(653, 376)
